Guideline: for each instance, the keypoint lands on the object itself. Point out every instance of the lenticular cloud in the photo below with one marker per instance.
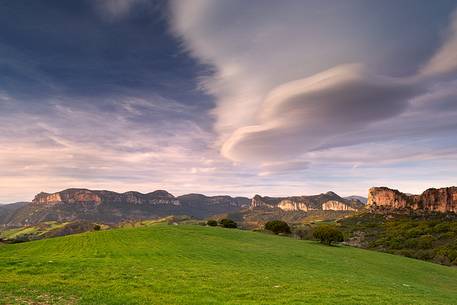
(305, 114)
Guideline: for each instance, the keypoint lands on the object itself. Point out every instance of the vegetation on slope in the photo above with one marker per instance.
(431, 237)
(46, 230)
(188, 264)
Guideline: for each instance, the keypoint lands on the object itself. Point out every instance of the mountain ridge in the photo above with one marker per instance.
(106, 206)
(324, 201)
(433, 200)
(82, 204)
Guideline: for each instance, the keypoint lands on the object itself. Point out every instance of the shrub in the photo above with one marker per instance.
(303, 233)
(227, 223)
(426, 241)
(328, 234)
(277, 226)
(97, 227)
(441, 227)
(212, 223)
(424, 254)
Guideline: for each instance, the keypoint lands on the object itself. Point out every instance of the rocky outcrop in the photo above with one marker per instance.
(290, 205)
(388, 198)
(438, 200)
(68, 196)
(111, 207)
(261, 202)
(324, 201)
(84, 196)
(333, 205)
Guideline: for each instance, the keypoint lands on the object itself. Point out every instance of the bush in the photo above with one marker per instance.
(228, 223)
(426, 241)
(303, 233)
(441, 227)
(424, 254)
(277, 226)
(328, 234)
(212, 223)
(97, 227)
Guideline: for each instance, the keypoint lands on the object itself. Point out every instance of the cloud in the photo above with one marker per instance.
(444, 61)
(284, 92)
(307, 114)
(116, 9)
(277, 168)
(251, 50)
(137, 143)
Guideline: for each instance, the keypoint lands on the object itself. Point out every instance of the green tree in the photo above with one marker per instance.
(327, 234)
(277, 226)
(212, 223)
(228, 223)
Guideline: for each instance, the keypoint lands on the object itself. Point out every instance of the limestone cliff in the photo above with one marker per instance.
(324, 201)
(333, 205)
(84, 196)
(290, 205)
(111, 207)
(438, 200)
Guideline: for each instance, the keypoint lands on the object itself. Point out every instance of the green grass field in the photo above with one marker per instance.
(189, 264)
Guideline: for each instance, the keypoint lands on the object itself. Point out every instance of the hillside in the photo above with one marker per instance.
(111, 207)
(102, 206)
(7, 210)
(427, 236)
(165, 264)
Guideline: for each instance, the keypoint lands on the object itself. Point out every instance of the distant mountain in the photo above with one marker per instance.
(327, 201)
(359, 198)
(7, 210)
(294, 209)
(111, 207)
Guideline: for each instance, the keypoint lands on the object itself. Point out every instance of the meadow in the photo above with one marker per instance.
(190, 264)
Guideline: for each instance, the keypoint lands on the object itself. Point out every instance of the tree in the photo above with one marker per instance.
(328, 234)
(228, 223)
(212, 223)
(277, 226)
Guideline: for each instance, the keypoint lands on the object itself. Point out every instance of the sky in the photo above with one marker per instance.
(232, 97)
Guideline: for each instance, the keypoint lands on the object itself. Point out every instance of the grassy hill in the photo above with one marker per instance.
(186, 264)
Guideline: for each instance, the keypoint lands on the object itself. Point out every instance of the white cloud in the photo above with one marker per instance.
(307, 114)
(136, 145)
(445, 59)
(277, 99)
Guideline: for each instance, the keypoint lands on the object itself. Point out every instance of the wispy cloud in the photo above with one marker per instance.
(277, 103)
(116, 9)
(80, 145)
(445, 59)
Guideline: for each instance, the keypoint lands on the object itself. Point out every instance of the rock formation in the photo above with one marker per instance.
(333, 205)
(111, 207)
(81, 196)
(290, 205)
(327, 201)
(438, 200)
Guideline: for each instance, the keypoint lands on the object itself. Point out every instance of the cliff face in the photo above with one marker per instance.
(83, 196)
(327, 201)
(112, 207)
(68, 196)
(439, 200)
(289, 205)
(333, 205)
